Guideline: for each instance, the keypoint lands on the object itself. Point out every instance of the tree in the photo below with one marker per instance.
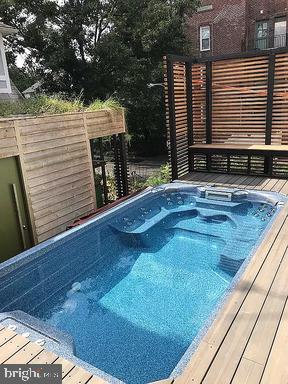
(103, 48)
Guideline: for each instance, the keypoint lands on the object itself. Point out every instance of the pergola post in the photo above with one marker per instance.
(120, 165)
(269, 111)
(208, 109)
(189, 101)
(172, 119)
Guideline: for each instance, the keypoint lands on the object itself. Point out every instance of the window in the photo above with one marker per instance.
(205, 38)
(261, 38)
(280, 33)
(5, 86)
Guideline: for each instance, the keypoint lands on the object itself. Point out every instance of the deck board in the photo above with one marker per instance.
(248, 341)
(276, 369)
(44, 357)
(12, 346)
(24, 355)
(77, 375)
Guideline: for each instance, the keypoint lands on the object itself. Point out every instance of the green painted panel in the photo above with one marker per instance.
(12, 211)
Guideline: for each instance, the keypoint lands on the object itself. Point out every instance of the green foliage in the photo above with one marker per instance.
(104, 48)
(161, 177)
(40, 105)
(158, 178)
(51, 105)
(111, 186)
(108, 104)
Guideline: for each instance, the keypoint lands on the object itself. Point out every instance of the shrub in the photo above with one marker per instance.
(52, 104)
(108, 104)
(160, 177)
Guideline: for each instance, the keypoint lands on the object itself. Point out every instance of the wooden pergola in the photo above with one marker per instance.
(228, 114)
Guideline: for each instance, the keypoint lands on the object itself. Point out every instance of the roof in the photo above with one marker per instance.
(33, 87)
(7, 29)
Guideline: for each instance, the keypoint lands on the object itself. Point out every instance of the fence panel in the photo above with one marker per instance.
(176, 102)
(239, 101)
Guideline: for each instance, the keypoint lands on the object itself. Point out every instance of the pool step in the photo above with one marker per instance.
(230, 259)
(230, 265)
(218, 204)
(246, 233)
(130, 226)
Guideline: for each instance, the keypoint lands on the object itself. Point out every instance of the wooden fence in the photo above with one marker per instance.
(239, 99)
(55, 160)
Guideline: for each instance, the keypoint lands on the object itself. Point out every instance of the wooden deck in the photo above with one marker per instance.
(248, 341)
(238, 181)
(16, 349)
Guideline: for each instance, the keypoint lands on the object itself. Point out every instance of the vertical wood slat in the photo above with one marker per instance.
(120, 165)
(268, 162)
(117, 168)
(199, 102)
(270, 99)
(90, 160)
(172, 119)
(209, 101)
(208, 110)
(189, 100)
(103, 171)
(124, 164)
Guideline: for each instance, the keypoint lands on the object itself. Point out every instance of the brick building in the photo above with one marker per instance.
(233, 26)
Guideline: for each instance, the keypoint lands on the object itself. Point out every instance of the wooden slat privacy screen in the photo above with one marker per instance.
(56, 164)
(235, 100)
(177, 113)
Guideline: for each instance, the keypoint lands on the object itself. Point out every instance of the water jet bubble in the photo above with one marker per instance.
(76, 286)
(40, 342)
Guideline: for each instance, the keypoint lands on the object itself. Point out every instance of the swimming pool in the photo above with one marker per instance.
(135, 287)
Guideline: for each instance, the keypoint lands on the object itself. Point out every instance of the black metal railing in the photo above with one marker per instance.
(268, 42)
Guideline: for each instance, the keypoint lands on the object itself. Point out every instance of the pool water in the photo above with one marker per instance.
(135, 291)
